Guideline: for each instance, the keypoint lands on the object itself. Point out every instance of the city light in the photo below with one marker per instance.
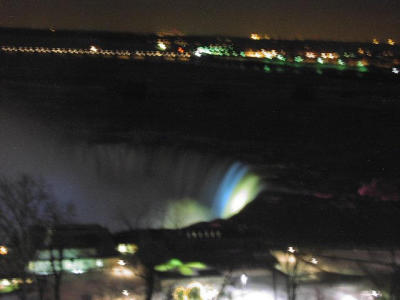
(127, 248)
(121, 262)
(125, 292)
(375, 41)
(3, 250)
(391, 42)
(314, 261)
(93, 49)
(255, 36)
(298, 59)
(243, 279)
(291, 249)
(161, 45)
(396, 70)
(311, 55)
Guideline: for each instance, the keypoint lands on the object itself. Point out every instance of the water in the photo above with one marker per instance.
(125, 185)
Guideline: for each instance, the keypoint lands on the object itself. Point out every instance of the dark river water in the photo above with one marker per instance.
(135, 145)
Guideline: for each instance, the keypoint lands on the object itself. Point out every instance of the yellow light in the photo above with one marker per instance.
(127, 248)
(3, 250)
(93, 49)
(255, 36)
(311, 55)
(361, 51)
(391, 42)
(375, 41)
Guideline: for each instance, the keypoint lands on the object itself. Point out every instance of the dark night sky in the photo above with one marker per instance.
(315, 19)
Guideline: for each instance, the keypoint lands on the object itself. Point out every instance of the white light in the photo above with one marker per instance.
(314, 261)
(99, 263)
(162, 45)
(253, 295)
(121, 262)
(348, 297)
(396, 70)
(239, 201)
(77, 271)
(93, 49)
(122, 248)
(125, 293)
(243, 279)
(5, 282)
(291, 250)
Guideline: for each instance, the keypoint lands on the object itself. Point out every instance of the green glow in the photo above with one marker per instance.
(185, 212)
(298, 59)
(362, 69)
(246, 190)
(267, 69)
(320, 60)
(186, 269)
(77, 266)
(360, 64)
(69, 253)
(242, 54)
(215, 50)
(8, 286)
(281, 57)
(341, 62)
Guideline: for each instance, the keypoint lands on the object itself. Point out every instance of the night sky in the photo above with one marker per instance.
(358, 20)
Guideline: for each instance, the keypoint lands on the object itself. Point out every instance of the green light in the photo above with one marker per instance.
(341, 62)
(320, 60)
(281, 57)
(267, 69)
(242, 54)
(360, 64)
(363, 69)
(298, 59)
(186, 269)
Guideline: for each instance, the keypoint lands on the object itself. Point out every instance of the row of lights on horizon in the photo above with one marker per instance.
(375, 41)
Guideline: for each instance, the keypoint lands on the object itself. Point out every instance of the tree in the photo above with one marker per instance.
(27, 210)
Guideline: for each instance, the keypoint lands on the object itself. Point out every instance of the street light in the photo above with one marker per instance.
(3, 250)
(243, 279)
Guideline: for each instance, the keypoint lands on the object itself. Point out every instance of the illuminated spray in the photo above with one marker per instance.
(238, 187)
